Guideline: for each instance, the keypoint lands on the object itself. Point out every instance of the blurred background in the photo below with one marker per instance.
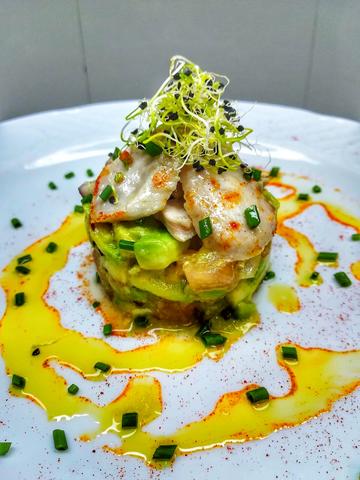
(61, 53)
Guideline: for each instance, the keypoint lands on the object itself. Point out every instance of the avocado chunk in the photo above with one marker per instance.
(158, 250)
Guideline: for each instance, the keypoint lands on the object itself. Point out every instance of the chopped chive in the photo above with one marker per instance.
(96, 304)
(342, 279)
(252, 216)
(269, 275)
(17, 381)
(289, 353)
(152, 149)
(314, 276)
(274, 172)
(89, 172)
(87, 198)
(126, 245)
(107, 329)
(15, 222)
(19, 299)
(129, 420)
(35, 352)
(355, 237)
(106, 193)
(248, 173)
(303, 196)
(212, 339)
(78, 209)
(141, 321)
(119, 177)
(327, 257)
(143, 105)
(60, 442)
(51, 247)
(164, 452)
(52, 186)
(205, 328)
(97, 278)
(205, 227)
(116, 153)
(73, 389)
(69, 175)
(24, 259)
(257, 395)
(22, 269)
(104, 367)
(256, 174)
(316, 189)
(4, 448)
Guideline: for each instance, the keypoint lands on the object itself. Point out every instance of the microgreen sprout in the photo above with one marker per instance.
(188, 120)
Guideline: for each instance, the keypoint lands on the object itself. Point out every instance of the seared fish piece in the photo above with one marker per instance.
(176, 220)
(141, 186)
(224, 199)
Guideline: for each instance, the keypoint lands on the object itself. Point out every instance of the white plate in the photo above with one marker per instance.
(40, 148)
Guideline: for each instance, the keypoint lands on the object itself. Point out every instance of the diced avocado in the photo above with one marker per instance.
(244, 310)
(136, 229)
(102, 235)
(155, 283)
(158, 250)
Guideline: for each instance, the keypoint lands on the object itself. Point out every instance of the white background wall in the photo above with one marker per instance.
(58, 53)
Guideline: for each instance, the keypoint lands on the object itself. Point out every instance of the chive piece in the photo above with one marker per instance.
(248, 173)
(143, 105)
(97, 278)
(69, 175)
(35, 352)
(52, 247)
(78, 209)
(342, 279)
(60, 442)
(256, 174)
(104, 367)
(152, 149)
(119, 177)
(303, 196)
(205, 328)
(4, 448)
(73, 389)
(212, 339)
(17, 381)
(19, 299)
(89, 172)
(257, 395)
(106, 193)
(24, 259)
(269, 275)
(126, 245)
(327, 257)
(107, 329)
(314, 276)
(274, 172)
(252, 216)
(15, 222)
(164, 452)
(87, 198)
(116, 153)
(52, 186)
(96, 304)
(316, 189)
(22, 269)
(205, 227)
(141, 321)
(129, 420)
(289, 353)
(355, 237)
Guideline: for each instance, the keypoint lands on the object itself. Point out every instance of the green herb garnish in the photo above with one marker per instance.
(129, 420)
(269, 275)
(205, 228)
(106, 193)
(107, 329)
(342, 279)
(19, 299)
(22, 269)
(15, 222)
(355, 237)
(73, 389)
(78, 209)
(164, 452)
(89, 172)
(104, 367)
(51, 247)
(252, 216)
(96, 304)
(274, 172)
(69, 175)
(52, 186)
(212, 339)
(289, 353)
(303, 196)
(316, 189)
(126, 245)
(4, 448)
(141, 321)
(24, 259)
(18, 381)
(186, 119)
(87, 198)
(257, 395)
(256, 174)
(327, 257)
(60, 441)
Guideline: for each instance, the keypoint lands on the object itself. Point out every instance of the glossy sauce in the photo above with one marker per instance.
(318, 379)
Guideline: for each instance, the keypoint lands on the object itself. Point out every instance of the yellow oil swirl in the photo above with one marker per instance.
(318, 379)
(355, 270)
(284, 298)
